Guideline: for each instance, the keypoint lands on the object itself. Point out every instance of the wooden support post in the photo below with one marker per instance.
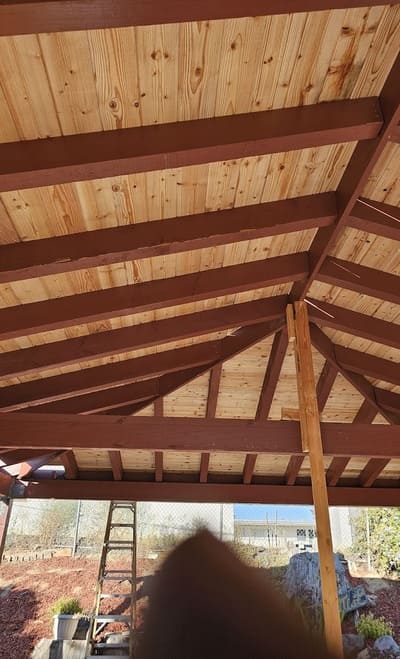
(311, 440)
(5, 514)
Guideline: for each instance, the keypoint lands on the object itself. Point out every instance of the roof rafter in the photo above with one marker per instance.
(274, 367)
(325, 383)
(352, 322)
(95, 346)
(87, 156)
(363, 160)
(59, 313)
(366, 364)
(325, 346)
(213, 389)
(377, 218)
(366, 413)
(88, 249)
(361, 279)
(63, 15)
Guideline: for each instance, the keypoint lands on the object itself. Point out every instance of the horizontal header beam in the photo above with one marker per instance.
(36, 163)
(35, 16)
(89, 249)
(71, 431)
(204, 493)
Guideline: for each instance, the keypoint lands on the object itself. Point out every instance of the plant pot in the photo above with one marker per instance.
(64, 626)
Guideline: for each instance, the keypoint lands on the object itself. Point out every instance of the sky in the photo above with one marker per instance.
(259, 512)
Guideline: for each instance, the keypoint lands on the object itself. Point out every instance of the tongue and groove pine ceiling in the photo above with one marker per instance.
(170, 179)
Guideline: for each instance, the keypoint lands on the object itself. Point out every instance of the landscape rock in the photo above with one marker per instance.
(365, 654)
(303, 578)
(353, 644)
(387, 644)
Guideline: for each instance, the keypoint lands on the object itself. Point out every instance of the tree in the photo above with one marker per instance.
(384, 537)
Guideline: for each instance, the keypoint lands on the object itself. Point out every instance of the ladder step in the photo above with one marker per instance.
(116, 656)
(104, 596)
(106, 571)
(100, 646)
(101, 618)
(106, 578)
(119, 548)
(126, 526)
(118, 542)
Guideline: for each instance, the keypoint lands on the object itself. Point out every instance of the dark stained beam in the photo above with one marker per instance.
(35, 16)
(395, 134)
(325, 383)
(361, 279)
(372, 471)
(56, 160)
(116, 465)
(100, 401)
(87, 380)
(336, 469)
(293, 468)
(21, 455)
(69, 463)
(390, 400)
(206, 492)
(375, 217)
(159, 407)
(366, 364)
(366, 413)
(6, 483)
(25, 469)
(159, 466)
(204, 464)
(325, 346)
(99, 432)
(89, 249)
(275, 361)
(352, 322)
(362, 162)
(249, 465)
(63, 312)
(96, 346)
(213, 389)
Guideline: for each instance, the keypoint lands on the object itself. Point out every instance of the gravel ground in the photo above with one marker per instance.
(28, 591)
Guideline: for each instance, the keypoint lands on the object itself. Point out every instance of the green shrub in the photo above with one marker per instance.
(66, 607)
(373, 628)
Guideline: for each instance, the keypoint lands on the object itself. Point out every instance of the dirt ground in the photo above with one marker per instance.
(28, 590)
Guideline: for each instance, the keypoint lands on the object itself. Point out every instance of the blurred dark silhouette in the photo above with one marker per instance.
(206, 604)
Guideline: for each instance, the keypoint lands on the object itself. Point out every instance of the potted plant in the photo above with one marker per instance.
(66, 615)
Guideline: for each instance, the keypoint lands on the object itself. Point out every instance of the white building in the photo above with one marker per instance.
(282, 534)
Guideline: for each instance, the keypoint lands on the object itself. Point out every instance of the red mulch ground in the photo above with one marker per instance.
(28, 591)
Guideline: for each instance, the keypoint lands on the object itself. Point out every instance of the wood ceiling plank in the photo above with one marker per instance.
(94, 155)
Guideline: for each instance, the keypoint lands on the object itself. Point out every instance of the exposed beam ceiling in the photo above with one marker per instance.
(63, 312)
(96, 346)
(89, 249)
(35, 16)
(190, 434)
(35, 163)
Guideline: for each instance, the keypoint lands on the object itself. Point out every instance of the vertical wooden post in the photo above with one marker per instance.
(5, 514)
(312, 442)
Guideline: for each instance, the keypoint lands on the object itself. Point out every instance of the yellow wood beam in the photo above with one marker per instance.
(311, 441)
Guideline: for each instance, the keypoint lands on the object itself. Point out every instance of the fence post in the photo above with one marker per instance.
(78, 514)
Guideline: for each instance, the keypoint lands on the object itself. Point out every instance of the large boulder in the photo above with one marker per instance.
(387, 644)
(353, 644)
(303, 579)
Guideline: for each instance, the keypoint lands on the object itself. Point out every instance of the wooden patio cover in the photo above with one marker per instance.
(172, 176)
